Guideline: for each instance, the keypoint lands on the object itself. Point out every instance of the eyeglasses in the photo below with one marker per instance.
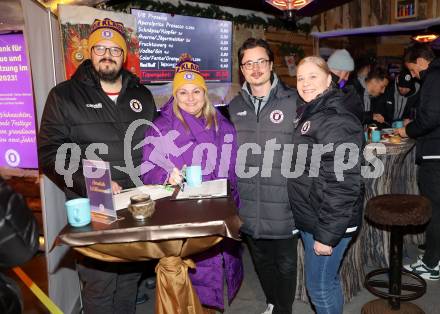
(261, 63)
(101, 50)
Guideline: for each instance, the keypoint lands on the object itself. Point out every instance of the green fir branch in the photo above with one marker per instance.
(212, 12)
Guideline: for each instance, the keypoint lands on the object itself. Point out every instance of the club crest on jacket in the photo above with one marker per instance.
(277, 116)
(135, 105)
(305, 127)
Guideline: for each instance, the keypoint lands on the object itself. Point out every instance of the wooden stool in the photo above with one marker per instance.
(396, 211)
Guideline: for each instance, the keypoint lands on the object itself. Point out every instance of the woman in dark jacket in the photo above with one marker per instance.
(327, 197)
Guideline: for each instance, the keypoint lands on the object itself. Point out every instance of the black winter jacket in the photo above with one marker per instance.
(326, 202)
(426, 126)
(264, 204)
(385, 104)
(18, 228)
(367, 115)
(351, 100)
(78, 111)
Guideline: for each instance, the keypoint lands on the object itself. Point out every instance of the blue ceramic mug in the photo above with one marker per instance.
(375, 136)
(78, 212)
(397, 124)
(193, 176)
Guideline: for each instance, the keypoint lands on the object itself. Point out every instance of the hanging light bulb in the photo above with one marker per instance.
(289, 5)
(426, 37)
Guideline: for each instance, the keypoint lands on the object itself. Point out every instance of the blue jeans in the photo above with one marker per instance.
(322, 276)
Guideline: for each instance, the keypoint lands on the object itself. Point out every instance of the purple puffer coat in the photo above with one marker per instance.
(175, 148)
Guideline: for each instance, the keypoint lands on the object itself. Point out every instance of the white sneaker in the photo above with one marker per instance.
(424, 271)
(268, 309)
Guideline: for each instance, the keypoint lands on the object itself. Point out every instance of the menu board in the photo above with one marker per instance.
(18, 145)
(164, 37)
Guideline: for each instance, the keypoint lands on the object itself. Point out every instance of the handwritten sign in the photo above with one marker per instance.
(99, 188)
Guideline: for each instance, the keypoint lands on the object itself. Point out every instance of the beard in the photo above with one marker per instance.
(262, 79)
(108, 74)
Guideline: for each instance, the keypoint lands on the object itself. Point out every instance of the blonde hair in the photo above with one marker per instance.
(318, 61)
(208, 112)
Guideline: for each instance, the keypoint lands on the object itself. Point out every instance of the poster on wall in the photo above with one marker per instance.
(75, 28)
(18, 146)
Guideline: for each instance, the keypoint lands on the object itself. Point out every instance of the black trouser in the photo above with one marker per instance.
(108, 287)
(429, 185)
(275, 263)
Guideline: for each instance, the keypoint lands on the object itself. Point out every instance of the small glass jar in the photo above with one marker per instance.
(141, 206)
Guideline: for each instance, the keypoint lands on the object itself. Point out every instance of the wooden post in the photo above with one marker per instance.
(316, 46)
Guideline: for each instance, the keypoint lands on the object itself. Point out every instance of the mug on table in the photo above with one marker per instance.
(193, 176)
(397, 124)
(78, 212)
(375, 136)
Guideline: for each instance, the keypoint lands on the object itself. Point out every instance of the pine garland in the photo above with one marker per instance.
(212, 12)
(287, 49)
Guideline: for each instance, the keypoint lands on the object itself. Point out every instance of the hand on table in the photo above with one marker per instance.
(116, 188)
(378, 118)
(175, 177)
(322, 249)
(401, 132)
(406, 122)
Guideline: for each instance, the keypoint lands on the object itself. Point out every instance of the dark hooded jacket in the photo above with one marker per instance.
(351, 100)
(18, 228)
(426, 126)
(79, 111)
(386, 104)
(360, 90)
(264, 204)
(18, 243)
(326, 200)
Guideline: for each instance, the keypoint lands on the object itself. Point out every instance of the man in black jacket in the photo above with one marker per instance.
(425, 128)
(263, 116)
(369, 89)
(400, 99)
(92, 112)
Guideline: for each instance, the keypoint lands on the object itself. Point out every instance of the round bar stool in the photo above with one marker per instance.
(396, 211)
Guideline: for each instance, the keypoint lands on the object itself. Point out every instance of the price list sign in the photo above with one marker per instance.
(164, 37)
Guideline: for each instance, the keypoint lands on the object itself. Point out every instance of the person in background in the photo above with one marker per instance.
(363, 66)
(399, 100)
(97, 105)
(327, 209)
(368, 90)
(19, 243)
(263, 113)
(425, 129)
(196, 122)
(341, 65)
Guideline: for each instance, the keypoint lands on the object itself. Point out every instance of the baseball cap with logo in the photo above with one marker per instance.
(404, 79)
(107, 29)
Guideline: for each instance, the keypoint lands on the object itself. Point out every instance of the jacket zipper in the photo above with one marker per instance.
(257, 222)
(260, 100)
